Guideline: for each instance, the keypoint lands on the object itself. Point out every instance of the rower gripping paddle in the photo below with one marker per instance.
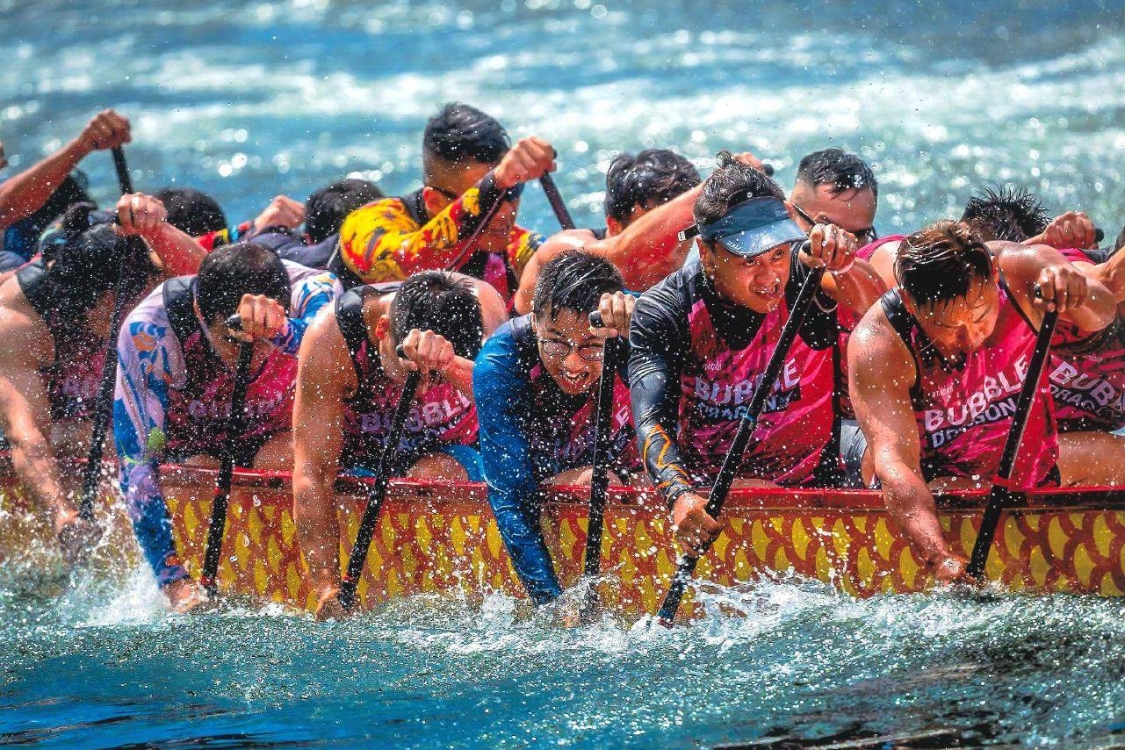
(746, 426)
(558, 205)
(613, 349)
(1001, 492)
(377, 494)
(103, 407)
(213, 551)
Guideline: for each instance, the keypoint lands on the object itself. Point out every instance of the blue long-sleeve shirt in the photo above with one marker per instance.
(530, 430)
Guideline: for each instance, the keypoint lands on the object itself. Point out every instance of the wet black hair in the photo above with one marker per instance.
(326, 208)
(234, 270)
(655, 175)
(440, 302)
(460, 132)
(85, 266)
(838, 168)
(574, 280)
(1005, 213)
(192, 211)
(941, 262)
(730, 184)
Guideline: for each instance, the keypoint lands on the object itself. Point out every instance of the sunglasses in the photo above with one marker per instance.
(865, 236)
(511, 195)
(557, 349)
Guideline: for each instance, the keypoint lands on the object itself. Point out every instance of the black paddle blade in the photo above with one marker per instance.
(558, 205)
(742, 437)
(212, 552)
(1000, 495)
(378, 493)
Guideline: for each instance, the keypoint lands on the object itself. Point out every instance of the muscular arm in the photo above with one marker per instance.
(25, 412)
(1022, 267)
(179, 253)
(325, 376)
(655, 363)
(24, 194)
(396, 248)
(502, 404)
(144, 375)
(857, 289)
(880, 375)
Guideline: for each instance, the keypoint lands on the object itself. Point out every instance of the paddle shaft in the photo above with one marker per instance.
(1001, 493)
(603, 436)
(103, 405)
(746, 426)
(212, 553)
(377, 494)
(558, 205)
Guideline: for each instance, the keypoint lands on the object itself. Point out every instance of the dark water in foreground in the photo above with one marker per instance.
(436, 672)
(247, 100)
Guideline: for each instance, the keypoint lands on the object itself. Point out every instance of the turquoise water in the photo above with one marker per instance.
(247, 100)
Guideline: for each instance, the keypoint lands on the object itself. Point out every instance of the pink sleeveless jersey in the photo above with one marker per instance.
(867, 251)
(441, 415)
(717, 382)
(964, 413)
(1087, 373)
(198, 414)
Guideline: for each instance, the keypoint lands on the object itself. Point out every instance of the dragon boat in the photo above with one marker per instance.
(440, 536)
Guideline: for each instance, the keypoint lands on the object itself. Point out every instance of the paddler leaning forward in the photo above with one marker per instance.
(353, 364)
(701, 339)
(54, 331)
(175, 380)
(935, 371)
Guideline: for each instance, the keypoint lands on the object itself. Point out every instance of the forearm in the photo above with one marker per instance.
(857, 289)
(24, 194)
(34, 462)
(911, 505)
(460, 375)
(179, 253)
(152, 525)
(654, 416)
(518, 522)
(318, 527)
(649, 249)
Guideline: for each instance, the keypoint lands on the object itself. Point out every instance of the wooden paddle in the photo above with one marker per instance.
(613, 348)
(558, 205)
(103, 405)
(746, 426)
(212, 553)
(377, 494)
(1001, 492)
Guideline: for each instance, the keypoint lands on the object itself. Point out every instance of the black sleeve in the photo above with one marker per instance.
(659, 339)
(820, 328)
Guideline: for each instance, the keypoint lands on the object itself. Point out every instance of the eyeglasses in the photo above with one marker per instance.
(865, 236)
(511, 195)
(558, 349)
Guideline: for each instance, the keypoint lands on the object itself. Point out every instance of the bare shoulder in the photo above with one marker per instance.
(875, 347)
(568, 239)
(25, 340)
(324, 353)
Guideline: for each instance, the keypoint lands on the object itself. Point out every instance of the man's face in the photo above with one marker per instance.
(226, 345)
(569, 352)
(446, 182)
(757, 283)
(961, 325)
(853, 210)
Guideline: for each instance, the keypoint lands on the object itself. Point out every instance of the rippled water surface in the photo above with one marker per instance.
(247, 100)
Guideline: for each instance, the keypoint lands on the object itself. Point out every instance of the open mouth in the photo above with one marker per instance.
(575, 380)
(769, 292)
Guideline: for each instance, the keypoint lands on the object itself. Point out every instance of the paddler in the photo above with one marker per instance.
(838, 188)
(936, 368)
(701, 338)
(536, 384)
(175, 379)
(644, 251)
(353, 364)
(468, 165)
(54, 325)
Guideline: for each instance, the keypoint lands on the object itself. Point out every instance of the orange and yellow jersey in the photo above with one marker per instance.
(391, 239)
